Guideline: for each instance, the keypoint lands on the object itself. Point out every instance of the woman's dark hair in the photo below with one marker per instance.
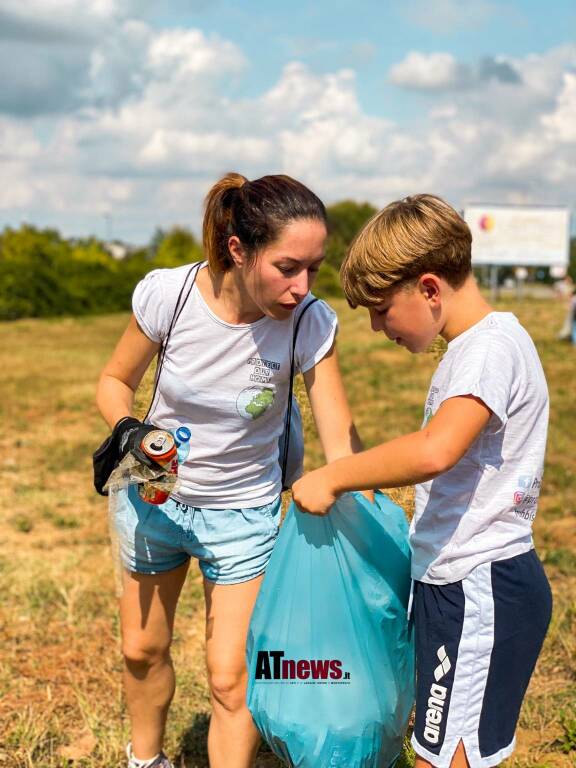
(255, 211)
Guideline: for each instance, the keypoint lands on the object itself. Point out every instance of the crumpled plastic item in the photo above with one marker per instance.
(330, 650)
(131, 471)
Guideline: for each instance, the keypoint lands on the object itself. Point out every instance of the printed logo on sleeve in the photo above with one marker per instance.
(429, 407)
(525, 497)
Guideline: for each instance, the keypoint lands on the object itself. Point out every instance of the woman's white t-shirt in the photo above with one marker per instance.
(229, 385)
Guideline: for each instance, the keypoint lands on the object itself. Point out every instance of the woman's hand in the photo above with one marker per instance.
(315, 492)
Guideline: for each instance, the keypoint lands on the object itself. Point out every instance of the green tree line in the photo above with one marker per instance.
(43, 274)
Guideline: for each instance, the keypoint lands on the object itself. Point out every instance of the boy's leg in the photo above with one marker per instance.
(439, 613)
(233, 738)
(477, 642)
(147, 609)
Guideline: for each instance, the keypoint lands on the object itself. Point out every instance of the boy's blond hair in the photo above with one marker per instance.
(409, 237)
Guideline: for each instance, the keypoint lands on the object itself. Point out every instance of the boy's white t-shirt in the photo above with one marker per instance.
(483, 508)
(229, 384)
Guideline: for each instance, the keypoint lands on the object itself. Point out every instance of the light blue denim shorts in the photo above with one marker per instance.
(232, 545)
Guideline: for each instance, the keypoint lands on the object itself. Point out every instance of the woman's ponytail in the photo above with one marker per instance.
(256, 212)
(218, 225)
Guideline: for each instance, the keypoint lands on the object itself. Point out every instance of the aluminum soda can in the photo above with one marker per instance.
(160, 446)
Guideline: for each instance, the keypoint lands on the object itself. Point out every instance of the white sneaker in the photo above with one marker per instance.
(160, 761)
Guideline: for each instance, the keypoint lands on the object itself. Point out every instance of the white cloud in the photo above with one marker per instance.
(51, 9)
(319, 125)
(561, 123)
(442, 72)
(116, 67)
(426, 71)
(302, 94)
(62, 55)
(184, 54)
(443, 111)
(17, 142)
(149, 119)
(46, 52)
(53, 21)
(19, 150)
(195, 152)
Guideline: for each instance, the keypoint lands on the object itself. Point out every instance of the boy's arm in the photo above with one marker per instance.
(409, 459)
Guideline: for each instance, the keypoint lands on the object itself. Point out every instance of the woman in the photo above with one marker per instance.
(225, 376)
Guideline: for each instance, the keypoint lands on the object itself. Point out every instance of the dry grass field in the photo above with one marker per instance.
(60, 696)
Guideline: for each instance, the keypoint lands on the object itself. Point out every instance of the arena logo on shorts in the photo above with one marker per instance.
(444, 667)
(437, 698)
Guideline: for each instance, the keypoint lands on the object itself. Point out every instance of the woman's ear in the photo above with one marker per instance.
(236, 251)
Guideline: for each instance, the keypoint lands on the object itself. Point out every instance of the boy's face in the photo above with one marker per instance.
(411, 315)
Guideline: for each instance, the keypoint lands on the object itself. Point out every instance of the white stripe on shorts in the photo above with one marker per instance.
(471, 674)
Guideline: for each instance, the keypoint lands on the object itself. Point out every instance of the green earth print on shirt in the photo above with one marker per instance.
(252, 402)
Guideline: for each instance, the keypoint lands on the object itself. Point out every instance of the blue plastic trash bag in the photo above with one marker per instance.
(330, 653)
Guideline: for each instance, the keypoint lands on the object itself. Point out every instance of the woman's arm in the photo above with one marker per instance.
(123, 373)
(330, 408)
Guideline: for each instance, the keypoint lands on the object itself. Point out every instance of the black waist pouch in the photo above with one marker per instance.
(104, 462)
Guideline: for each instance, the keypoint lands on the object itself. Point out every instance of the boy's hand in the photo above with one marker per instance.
(315, 492)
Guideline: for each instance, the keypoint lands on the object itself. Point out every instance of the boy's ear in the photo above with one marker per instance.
(430, 287)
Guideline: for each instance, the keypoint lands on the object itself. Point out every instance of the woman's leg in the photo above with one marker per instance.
(233, 738)
(147, 609)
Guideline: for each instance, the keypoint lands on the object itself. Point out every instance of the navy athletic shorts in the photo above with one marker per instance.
(477, 642)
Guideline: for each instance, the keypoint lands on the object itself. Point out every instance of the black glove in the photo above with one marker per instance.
(129, 433)
(126, 436)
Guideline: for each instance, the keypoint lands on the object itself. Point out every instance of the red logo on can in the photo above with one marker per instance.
(160, 446)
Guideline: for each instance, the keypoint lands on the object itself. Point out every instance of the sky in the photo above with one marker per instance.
(116, 116)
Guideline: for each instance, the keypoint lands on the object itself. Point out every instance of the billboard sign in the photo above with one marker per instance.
(524, 235)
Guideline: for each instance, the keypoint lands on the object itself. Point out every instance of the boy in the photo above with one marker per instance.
(481, 601)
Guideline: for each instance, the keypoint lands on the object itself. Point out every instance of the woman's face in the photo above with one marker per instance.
(284, 271)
